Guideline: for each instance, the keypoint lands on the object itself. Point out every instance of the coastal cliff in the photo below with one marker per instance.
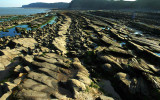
(59, 5)
(114, 4)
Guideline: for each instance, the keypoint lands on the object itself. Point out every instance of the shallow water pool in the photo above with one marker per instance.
(12, 31)
(50, 22)
(122, 44)
(157, 54)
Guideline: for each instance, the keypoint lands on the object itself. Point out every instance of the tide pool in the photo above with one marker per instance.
(50, 22)
(12, 31)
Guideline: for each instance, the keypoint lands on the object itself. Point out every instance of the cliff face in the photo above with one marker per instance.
(99, 4)
(112, 4)
(59, 5)
(150, 4)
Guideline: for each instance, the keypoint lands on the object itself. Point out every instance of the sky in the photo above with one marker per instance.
(19, 3)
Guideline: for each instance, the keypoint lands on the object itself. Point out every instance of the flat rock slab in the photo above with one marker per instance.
(26, 42)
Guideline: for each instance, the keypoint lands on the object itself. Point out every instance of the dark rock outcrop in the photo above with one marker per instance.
(117, 4)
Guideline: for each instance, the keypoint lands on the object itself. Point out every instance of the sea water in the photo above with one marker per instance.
(21, 11)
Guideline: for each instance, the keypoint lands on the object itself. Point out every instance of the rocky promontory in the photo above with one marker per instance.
(59, 5)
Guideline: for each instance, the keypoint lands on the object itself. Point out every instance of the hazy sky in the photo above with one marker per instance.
(19, 3)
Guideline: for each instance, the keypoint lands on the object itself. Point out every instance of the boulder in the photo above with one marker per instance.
(76, 85)
(19, 29)
(111, 69)
(107, 59)
(132, 86)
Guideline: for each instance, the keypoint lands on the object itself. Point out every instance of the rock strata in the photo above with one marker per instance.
(84, 55)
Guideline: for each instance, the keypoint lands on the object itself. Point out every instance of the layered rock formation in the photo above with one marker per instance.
(115, 4)
(83, 56)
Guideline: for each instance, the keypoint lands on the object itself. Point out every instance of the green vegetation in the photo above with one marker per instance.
(12, 18)
(94, 85)
(12, 60)
(87, 89)
(129, 64)
(45, 22)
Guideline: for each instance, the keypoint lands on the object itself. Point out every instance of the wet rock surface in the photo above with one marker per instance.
(83, 56)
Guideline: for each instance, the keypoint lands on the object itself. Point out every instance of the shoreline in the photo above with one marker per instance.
(92, 55)
(42, 10)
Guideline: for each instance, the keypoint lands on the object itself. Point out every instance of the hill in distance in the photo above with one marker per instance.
(58, 5)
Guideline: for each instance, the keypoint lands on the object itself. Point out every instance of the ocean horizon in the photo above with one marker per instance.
(21, 11)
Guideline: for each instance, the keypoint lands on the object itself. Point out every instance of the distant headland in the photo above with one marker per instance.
(58, 5)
